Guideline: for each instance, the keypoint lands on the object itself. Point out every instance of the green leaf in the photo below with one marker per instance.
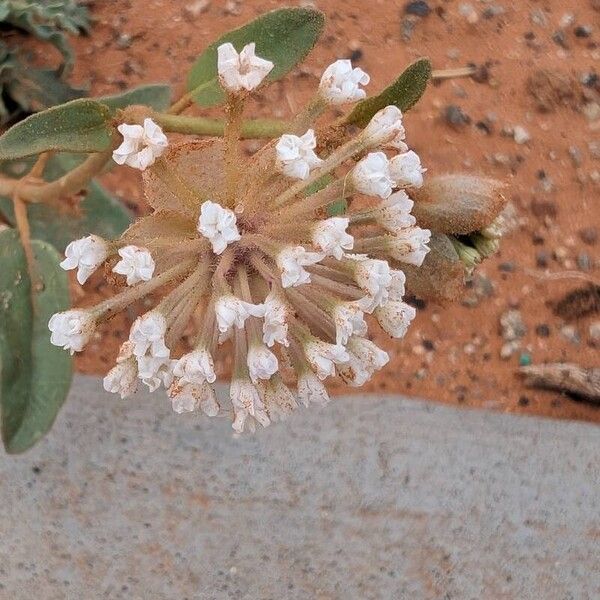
(36, 375)
(404, 93)
(78, 126)
(338, 207)
(156, 95)
(283, 36)
(97, 213)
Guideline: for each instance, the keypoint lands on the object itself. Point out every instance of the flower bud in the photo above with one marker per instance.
(386, 129)
(406, 170)
(72, 329)
(296, 156)
(141, 146)
(371, 175)
(85, 255)
(331, 238)
(243, 71)
(136, 264)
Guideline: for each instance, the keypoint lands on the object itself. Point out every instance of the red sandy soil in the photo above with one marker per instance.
(451, 354)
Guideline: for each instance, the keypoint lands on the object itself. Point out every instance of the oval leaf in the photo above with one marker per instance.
(78, 126)
(156, 95)
(404, 93)
(283, 36)
(98, 212)
(36, 375)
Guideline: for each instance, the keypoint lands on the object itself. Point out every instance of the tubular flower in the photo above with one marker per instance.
(141, 145)
(341, 83)
(330, 237)
(85, 255)
(136, 264)
(72, 329)
(218, 225)
(245, 248)
(406, 170)
(243, 71)
(371, 175)
(296, 155)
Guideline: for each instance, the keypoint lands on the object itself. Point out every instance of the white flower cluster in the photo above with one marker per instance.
(271, 271)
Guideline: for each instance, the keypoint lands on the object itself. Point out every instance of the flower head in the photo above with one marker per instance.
(243, 71)
(386, 129)
(122, 379)
(409, 245)
(72, 329)
(233, 312)
(311, 389)
(296, 154)
(406, 170)
(148, 335)
(85, 255)
(340, 83)
(195, 367)
(246, 402)
(136, 264)
(141, 145)
(349, 320)
(155, 371)
(371, 175)
(323, 357)
(262, 363)
(330, 236)
(374, 277)
(275, 327)
(218, 225)
(395, 317)
(291, 261)
(394, 212)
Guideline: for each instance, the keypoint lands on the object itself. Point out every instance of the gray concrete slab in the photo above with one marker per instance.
(368, 498)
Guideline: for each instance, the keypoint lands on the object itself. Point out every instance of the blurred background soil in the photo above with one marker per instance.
(530, 116)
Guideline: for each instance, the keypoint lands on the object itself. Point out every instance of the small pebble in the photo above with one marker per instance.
(512, 325)
(524, 359)
(584, 262)
(520, 134)
(583, 31)
(418, 8)
(454, 116)
(589, 235)
(542, 330)
(570, 333)
(594, 333)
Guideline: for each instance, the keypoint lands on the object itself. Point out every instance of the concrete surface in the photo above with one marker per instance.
(367, 498)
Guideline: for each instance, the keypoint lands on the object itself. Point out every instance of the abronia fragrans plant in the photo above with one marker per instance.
(255, 252)
(239, 247)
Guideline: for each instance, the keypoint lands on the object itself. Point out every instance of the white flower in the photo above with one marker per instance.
(349, 320)
(136, 264)
(184, 398)
(340, 83)
(386, 129)
(311, 389)
(371, 175)
(372, 357)
(85, 255)
(374, 277)
(262, 363)
(329, 236)
(409, 245)
(195, 367)
(122, 379)
(275, 328)
(354, 372)
(141, 145)
(243, 71)
(406, 170)
(290, 261)
(231, 311)
(296, 155)
(155, 370)
(278, 399)
(395, 317)
(148, 334)
(394, 212)
(397, 290)
(365, 359)
(208, 401)
(72, 329)
(323, 357)
(218, 225)
(246, 402)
